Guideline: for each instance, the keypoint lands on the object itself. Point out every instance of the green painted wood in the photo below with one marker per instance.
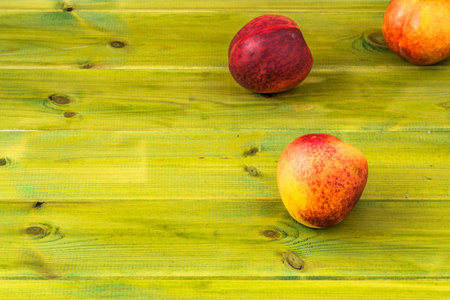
(128, 155)
(103, 165)
(220, 240)
(161, 40)
(174, 6)
(338, 99)
(213, 289)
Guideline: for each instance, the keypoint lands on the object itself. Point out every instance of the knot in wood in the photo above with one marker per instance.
(271, 234)
(43, 231)
(6, 162)
(251, 151)
(371, 41)
(38, 204)
(35, 231)
(117, 44)
(87, 66)
(252, 171)
(70, 114)
(67, 7)
(60, 99)
(377, 38)
(293, 260)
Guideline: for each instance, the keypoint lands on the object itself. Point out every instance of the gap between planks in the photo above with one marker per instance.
(224, 200)
(247, 278)
(219, 68)
(198, 131)
(188, 11)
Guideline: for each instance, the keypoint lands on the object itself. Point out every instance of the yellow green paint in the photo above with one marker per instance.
(133, 166)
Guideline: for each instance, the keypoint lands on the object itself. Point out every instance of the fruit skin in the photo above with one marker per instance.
(269, 55)
(418, 30)
(320, 179)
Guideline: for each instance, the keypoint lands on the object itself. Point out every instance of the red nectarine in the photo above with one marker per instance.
(269, 55)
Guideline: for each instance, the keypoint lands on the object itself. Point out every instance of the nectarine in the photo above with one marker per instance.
(320, 179)
(269, 55)
(418, 30)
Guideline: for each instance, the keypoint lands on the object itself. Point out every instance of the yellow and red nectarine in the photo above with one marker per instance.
(418, 30)
(320, 179)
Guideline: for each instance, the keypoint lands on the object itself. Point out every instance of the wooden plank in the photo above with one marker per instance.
(162, 40)
(378, 100)
(187, 6)
(104, 165)
(235, 289)
(220, 240)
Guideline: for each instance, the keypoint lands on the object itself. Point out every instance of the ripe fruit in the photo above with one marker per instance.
(320, 179)
(269, 55)
(418, 30)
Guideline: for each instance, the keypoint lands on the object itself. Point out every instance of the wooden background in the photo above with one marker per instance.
(132, 166)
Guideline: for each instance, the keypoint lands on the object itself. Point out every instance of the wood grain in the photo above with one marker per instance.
(218, 289)
(132, 166)
(376, 100)
(187, 6)
(164, 40)
(103, 165)
(201, 239)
